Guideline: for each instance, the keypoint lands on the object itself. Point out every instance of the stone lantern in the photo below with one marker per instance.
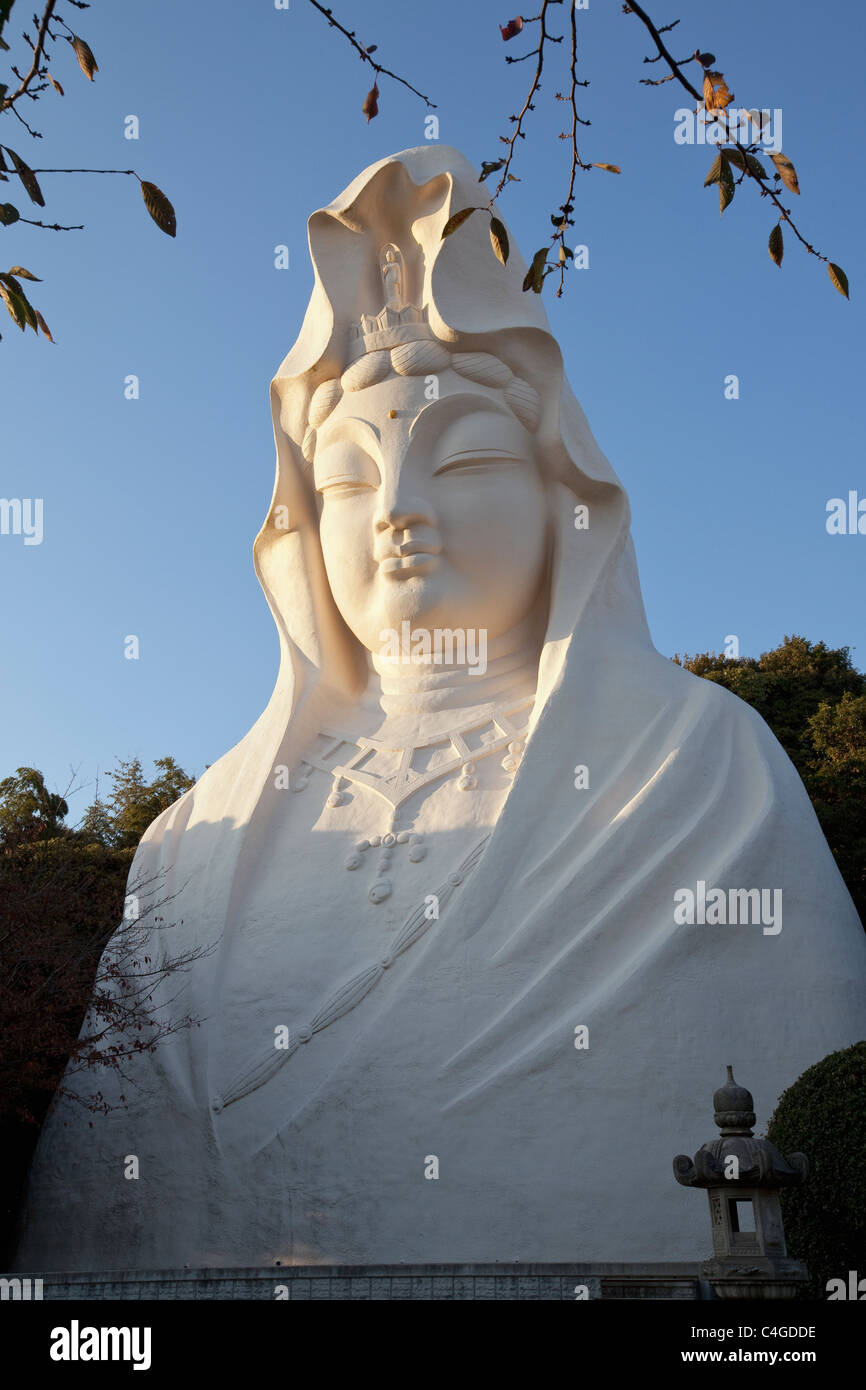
(742, 1176)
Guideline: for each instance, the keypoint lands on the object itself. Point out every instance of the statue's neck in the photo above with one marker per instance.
(418, 700)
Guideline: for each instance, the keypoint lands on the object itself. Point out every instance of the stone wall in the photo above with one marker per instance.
(426, 1283)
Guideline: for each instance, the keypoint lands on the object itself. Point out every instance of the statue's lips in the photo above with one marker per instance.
(417, 563)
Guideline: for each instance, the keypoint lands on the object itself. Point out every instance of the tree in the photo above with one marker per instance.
(814, 700)
(66, 1003)
(28, 810)
(836, 781)
(134, 803)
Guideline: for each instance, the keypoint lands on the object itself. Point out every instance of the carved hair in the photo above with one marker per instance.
(421, 357)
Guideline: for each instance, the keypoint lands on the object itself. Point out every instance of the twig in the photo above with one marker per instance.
(38, 53)
(766, 190)
(359, 48)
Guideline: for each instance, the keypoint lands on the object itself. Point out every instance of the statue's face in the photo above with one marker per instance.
(433, 512)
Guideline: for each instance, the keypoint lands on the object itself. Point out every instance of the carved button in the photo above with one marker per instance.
(304, 1034)
(456, 879)
(386, 961)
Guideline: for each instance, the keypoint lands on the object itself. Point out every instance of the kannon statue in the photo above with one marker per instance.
(451, 1009)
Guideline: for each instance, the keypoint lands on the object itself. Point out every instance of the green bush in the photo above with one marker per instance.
(823, 1115)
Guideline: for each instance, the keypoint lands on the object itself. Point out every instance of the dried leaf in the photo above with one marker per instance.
(44, 326)
(499, 239)
(14, 305)
(512, 28)
(370, 107)
(787, 172)
(159, 208)
(716, 93)
(457, 220)
(535, 274)
(749, 162)
(611, 168)
(25, 274)
(8, 214)
(84, 54)
(28, 178)
(839, 278)
(57, 87)
(715, 172)
(488, 167)
(726, 185)
(776, 244)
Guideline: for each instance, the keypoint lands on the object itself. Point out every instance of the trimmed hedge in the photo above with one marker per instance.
(823, 1115)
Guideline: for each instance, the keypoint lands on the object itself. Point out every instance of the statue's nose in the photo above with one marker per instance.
(401, 508)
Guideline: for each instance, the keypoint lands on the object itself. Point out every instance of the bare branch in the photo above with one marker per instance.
(363, 53)
(38, 53)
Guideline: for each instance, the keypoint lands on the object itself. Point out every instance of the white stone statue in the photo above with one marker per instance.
(456, 1009)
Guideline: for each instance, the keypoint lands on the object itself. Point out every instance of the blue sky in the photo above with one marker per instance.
(249, 119)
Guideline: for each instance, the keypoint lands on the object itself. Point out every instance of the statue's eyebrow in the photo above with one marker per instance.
(452, 407)
(353, 428)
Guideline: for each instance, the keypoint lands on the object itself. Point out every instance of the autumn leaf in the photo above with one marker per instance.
(44, 326)
(8, 214)
(776, 244)
(28, 178)
(726, 185)
(13, 304)
(370, 107)
(57, 87)
(787, 172)
(512, 28)
(499, 239)
(488, 167)
(159, 208)
(457, 220)
(716, 93)
(25, 274)
(749, 162)
(84, 54)
(715, 172)
(839, 278)
(535, 274)
(611, 168)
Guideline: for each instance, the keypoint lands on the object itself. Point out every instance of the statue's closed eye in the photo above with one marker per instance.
(477, 461)
(344, 486)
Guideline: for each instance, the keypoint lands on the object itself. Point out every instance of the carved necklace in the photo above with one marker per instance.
(398, 778)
